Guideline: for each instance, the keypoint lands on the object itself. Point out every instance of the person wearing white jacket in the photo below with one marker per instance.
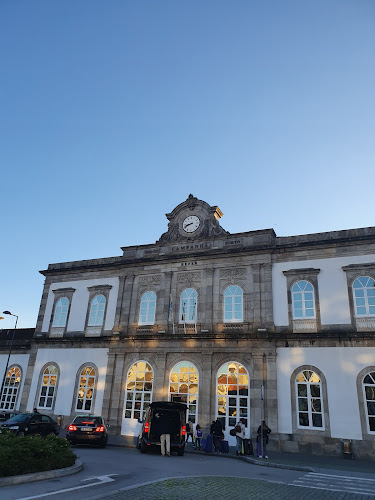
(240, 435)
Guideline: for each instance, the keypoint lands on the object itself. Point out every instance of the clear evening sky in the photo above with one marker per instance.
(113, 111)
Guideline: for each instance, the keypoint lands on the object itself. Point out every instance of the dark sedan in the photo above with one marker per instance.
(87, 429)
(25, 424)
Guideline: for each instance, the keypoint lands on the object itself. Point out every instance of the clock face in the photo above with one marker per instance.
(191, 224)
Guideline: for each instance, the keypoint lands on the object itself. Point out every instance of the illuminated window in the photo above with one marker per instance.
(61, 312)
(369, 395)
(309, 400)
(10, 389)
(188, 306)
(233, 304)
(97, 311)
(147, 308)
(364, 296)
(138, 390)
(86, 388)
(233, 401)
(183, 387)
(48, 387)
(303, 300)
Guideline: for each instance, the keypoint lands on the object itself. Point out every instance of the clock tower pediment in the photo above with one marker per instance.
(193, 219)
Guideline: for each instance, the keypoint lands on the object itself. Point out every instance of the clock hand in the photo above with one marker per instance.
(190, 223)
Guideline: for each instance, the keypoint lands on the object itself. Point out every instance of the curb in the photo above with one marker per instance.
(255, 461)
(40, 476)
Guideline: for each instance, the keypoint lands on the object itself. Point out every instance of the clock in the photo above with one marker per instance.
(191, 223)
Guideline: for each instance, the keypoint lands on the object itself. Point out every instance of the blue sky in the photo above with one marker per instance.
(113, 112)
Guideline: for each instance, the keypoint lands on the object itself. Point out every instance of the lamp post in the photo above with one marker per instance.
(9, 353)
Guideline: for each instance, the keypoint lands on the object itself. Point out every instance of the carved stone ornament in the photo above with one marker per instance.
(233, 273)
(208, 215)
(183, 277)
(148, 280)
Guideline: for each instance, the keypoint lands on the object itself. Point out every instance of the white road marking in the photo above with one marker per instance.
(335, 482)
(100, 480)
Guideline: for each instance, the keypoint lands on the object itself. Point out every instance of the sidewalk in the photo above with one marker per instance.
(296, 461)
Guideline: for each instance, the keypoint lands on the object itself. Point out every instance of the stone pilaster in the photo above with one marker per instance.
(208, 300)
(27, 385)
(207, 394)
(162, 306)
(126, 301)
(119, 305)
(161, 383)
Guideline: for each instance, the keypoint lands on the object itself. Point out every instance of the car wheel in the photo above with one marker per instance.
(181, 452)
(143, 447)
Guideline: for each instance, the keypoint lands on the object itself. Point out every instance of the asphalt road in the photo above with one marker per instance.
(112, 469)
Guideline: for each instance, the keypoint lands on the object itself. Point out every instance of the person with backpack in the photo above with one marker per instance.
(198, 434)
(262, 439)
(240, 435)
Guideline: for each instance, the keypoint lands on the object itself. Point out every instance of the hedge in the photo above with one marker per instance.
(26, 454)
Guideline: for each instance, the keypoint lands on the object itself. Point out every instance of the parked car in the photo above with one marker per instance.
(175, 413)
(25, 424)
(87, 429)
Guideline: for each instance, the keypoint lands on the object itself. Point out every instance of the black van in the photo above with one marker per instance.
(175, 413)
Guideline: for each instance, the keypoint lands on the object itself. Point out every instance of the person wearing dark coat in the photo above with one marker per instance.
(162, 426)
(263, 432)
(217, 434)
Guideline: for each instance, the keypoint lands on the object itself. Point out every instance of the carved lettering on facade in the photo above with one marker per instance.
(233, 242)
(196, 246)
(148, 280)
(187, 264)
(233, 273)
(189, 277)
(148, 252)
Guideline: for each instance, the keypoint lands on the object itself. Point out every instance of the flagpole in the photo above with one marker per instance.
(171, 317)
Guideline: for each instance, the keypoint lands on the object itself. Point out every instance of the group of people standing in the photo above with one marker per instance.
(217, 433)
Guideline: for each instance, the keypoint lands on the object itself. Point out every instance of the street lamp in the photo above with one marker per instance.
(9, 353)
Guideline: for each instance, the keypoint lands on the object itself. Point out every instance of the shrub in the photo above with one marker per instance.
(26, 454)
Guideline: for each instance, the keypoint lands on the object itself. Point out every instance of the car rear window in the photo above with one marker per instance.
(88, 421)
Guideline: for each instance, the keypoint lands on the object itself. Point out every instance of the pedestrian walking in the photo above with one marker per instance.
(162, 425)
(240, 435)
(262, 439)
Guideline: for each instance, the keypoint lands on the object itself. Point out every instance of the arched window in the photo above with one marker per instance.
(303, 300)
(364, 296)
(369, 397)
(86, 388)
(61, 312)
(97, 311)
(48, 387)
(188, 306)
(147, 308)
(309, 400)
(138, 390)
(183, 387)
(233, 304)
(233, 401)
(10, 389)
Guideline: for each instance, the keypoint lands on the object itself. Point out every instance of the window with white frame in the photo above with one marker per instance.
(61, 312)
(48, 387)
(303, 303)
(188, 306)
(138, 390)
(147, 308)
(232, 393)
(364, 296)
(183, 387)
(233, 304)
(11, 387)
(86, 388)
(369, 396)
(309, 400)
(97, 309)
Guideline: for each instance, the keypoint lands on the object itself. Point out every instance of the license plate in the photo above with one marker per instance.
(87, 429)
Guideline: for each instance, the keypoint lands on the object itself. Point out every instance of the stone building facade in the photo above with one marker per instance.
(235, 325)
